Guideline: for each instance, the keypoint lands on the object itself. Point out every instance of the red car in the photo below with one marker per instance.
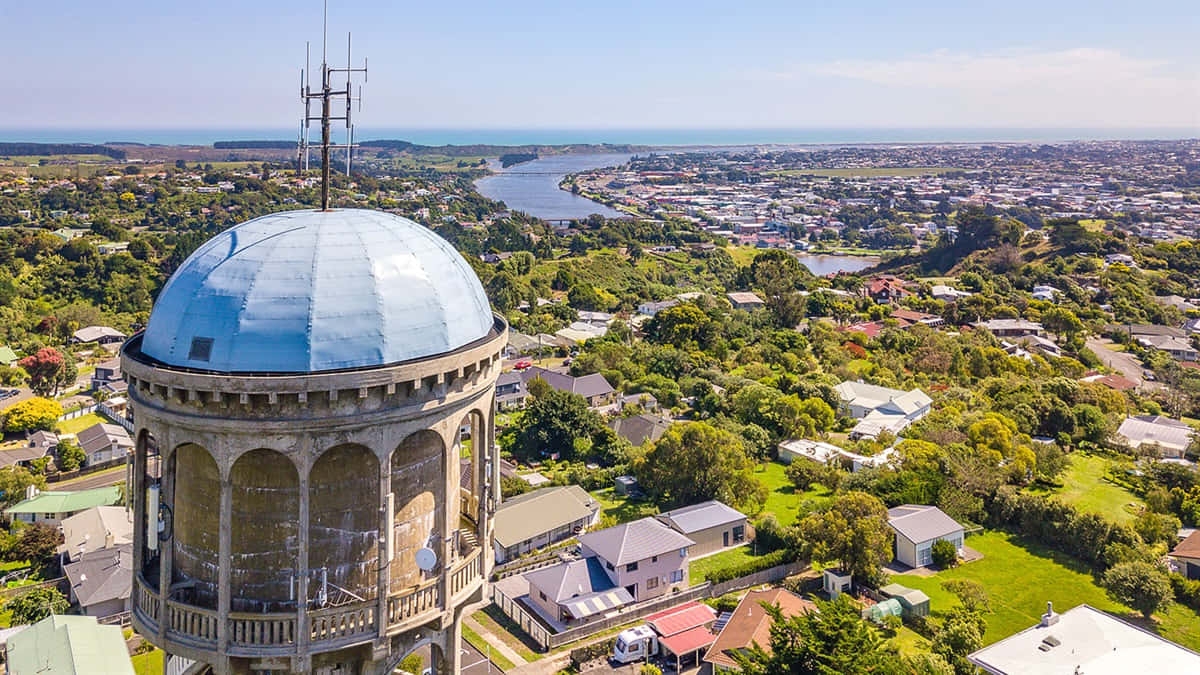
(522, 365)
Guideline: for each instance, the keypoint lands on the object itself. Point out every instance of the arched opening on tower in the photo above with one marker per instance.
(264, 532)
(343, 526)
(472, 450)
(197, 525)
(146, 474)
(418, 495)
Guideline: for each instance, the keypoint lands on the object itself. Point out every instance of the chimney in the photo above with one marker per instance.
(1049, 618)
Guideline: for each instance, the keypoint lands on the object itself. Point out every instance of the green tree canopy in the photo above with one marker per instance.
(551, 424)
(695, 461)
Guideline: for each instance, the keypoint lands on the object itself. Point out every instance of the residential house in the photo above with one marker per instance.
(1114, 382)
(948, 293)
(825, 453)
(908, 317)
(713, 526)
(887, 288)
(1010, 328)
(745, 300)
(537, 519)
(917, 527)
(47, 440)
(1137, 331)
(101, 334)
(1046, 293)
(53, 507)
(97, 528)
(644, 557)
(1162, 436)
(749, 625)
(593, 387)
(1084, 641)
(652, 308)
(101, 581)
(104, 442)
(1118, 259)
(640, 429)
(21, 456)
(106, 375)
(572, 592)
(68, 645)
(1180, 349)
(881, 409)
(1186, 556)
(1178, 302)
(8, 357)
(510, 391)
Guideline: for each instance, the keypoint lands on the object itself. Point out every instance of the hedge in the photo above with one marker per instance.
(749, 567)
(1062, 527)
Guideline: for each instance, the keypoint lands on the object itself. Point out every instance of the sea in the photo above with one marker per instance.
(651, 137)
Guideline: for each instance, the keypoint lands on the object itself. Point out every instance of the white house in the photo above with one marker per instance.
(917, 527)
(1145, 432)
(881, 409)
(948, 293)
(819, 451)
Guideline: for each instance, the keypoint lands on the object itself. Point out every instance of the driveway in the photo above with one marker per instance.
(1123, 362)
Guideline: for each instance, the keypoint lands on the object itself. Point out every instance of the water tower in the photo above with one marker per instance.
(314, 475)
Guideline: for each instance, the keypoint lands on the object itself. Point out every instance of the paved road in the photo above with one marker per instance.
(1123, 362)
(476, 663)
(99, 479)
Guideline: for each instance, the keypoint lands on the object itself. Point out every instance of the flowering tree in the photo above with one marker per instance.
(45, 369)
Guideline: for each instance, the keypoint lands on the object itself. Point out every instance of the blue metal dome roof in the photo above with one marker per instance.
(307, 291)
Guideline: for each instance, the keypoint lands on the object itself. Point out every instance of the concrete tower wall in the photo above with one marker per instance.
(418, 495)
(264, 541)
(343, 531)
(197, 523)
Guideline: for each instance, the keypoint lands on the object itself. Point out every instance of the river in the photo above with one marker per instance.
(821, 265)
(532, 187)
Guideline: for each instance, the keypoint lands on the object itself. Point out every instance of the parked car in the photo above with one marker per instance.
(523, 364)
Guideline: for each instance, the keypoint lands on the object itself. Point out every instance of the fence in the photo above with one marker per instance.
(7, 594)
(91, 468)
(547, 639)
(78, 412)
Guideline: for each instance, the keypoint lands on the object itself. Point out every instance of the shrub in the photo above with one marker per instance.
(944, 554)
(593, 651)
(36, 605)
(1141, 585)
(751, 566)
(1187, 591)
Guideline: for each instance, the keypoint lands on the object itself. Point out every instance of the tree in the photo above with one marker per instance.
(44, 369)
(853, 532)
(13, 482)
(959, 635)
(970, 593)
(1062, 322)
(1141, 585)
(551, 424)
(694, 462)
(833, 639)
(411, 664)
(36, 605)
(70, 455)
(32, 414)
(944, 554)
(38, 543)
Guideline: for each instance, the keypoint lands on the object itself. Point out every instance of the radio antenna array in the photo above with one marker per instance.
(325, 93)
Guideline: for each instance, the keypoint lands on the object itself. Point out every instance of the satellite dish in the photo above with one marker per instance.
(426, 559)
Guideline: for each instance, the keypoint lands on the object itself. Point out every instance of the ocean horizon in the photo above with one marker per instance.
(651, 137)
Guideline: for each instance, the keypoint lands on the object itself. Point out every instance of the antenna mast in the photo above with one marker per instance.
(326, 93)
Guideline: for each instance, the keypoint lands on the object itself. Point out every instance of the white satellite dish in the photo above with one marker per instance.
(426, 559)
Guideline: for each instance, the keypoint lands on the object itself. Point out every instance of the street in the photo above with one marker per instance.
(1122, 362)
(475, 662)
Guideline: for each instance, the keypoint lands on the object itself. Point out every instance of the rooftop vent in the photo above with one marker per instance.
(1049, 618)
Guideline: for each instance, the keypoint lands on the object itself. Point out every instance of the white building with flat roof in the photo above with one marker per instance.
(1084, 640)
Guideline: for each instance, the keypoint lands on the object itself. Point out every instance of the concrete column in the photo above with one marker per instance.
(137, 493)
(302, 630)
(225, 553)
(449, 514)
(166, 549)
(452, 659)
(385, 543)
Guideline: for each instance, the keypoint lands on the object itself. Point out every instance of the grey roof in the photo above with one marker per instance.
(1156, 429)
(702, 516)
(16, 455)
(101, 436)
(637, 540)
(919, 523)
(43, 439)
(102, 575)
(540, 511)
(570, 579)
(586, 386)
(306, 291)
(96, 528)
(93, 333)
(639, 429)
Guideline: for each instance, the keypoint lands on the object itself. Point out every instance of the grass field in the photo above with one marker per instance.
(783, 500)
(1085, 487)
(150, 663)
(698, 569)
(477, 642)
(75, 425)
(620, 508)
(868, 172)
(503, 627)
(1021, 576)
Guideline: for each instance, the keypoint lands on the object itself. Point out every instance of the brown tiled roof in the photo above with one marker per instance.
(1189, 547)
(751, 624)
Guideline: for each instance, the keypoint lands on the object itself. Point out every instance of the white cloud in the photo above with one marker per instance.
(1069, 87)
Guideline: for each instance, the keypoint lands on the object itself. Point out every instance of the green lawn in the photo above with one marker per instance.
(150, 663)
(621, 508)
(734, 556)
(1085, 487)
(783, 500)
(78, 424)
(477, 642)
(504, 628)
(1021, 576)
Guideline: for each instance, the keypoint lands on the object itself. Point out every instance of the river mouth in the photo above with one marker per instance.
(532, 187)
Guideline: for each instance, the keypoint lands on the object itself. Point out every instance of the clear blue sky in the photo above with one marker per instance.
(610, 64)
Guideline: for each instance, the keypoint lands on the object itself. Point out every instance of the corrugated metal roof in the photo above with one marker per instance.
(67, 502)
(307, 291)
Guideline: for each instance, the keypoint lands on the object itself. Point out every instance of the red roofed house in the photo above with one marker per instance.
(684, 631)
(887, 288)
